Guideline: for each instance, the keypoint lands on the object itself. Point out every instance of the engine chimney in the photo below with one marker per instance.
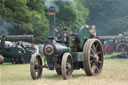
(52, 13)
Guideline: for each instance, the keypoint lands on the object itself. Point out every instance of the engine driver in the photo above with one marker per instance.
(93, 31)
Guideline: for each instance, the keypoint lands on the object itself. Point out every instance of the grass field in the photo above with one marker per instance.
(115, 72)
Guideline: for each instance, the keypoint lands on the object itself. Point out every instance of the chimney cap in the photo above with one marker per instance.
(52, 9)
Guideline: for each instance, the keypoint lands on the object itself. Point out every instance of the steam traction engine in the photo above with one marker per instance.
(68, 52)
(17, 53)
(115, 43)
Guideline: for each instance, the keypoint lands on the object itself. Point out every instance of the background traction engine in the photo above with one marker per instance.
(71, 51)
(16, 52)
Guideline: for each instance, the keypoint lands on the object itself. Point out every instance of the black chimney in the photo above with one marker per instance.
(52, 13)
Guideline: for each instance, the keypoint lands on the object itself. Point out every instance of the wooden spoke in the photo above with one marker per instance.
(92, 51)
(99, 62)
(91, 55)
(94, 48)
(97, 45)
(91, 60)
(98, 53)
(97, 69)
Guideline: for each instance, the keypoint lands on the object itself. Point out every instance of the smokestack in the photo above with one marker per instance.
(52, 13)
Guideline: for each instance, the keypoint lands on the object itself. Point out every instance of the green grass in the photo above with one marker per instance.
(110, 55)
(115, 72)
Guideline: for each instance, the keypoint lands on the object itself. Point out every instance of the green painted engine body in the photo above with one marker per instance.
(17, 51)
(14, 53)
(84, 34)
(73, 44)
(10, 51)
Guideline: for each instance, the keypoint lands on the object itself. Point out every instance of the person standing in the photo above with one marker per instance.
(93, 31)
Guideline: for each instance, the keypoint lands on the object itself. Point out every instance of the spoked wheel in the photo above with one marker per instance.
(22, 50)
(67, 66)
(58, 71)
(122, 47)
(36, 67)
(1, 59)
(93, 57)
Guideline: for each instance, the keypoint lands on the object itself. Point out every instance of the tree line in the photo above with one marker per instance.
(31, 16)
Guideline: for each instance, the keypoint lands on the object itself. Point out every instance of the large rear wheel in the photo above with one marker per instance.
(93, 57)
(67, 66)
(36, 67)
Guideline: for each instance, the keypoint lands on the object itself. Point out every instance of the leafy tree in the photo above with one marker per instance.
(109, 16)
(28, 15)
(72, 15)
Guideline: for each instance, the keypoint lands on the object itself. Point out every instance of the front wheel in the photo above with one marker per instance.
(67, 66)
(93, 57)
(1, 59)
(36, 67)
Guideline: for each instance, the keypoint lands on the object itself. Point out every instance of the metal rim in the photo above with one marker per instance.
(22, 50)
(36, 67)
(122, 47)
(93, 57)
(67, 66)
